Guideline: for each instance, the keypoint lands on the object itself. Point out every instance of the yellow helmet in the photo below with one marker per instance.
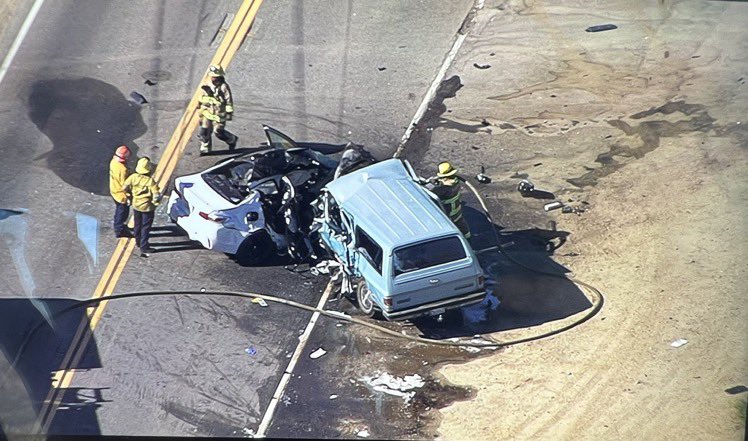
(144, 166)
(446, 170)
(215, 70)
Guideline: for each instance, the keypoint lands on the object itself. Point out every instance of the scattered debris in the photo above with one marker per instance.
(678, 343)
(481, 65)
(251, 350)
(318, 353)
(537, 164)
(150, 83)
(600, 28)
(553, 206)
(248, 432)
(382, 68)
(575, 210)
(485, 122)
(481, 177)
(736, 390)
(138, 98)
(363, 433)
(333, 396)
(525, 187)
(260, 301)
(324, 267)
(571, 254)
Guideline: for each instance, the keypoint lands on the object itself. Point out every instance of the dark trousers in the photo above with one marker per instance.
(121, 211)
(206, 126)
(143, 223)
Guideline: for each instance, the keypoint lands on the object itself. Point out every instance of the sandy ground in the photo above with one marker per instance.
(646, 123)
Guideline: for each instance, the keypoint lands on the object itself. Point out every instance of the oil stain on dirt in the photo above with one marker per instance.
(86, 119)
(649, 133)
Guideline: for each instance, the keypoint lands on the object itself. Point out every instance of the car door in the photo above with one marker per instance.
(336, 231)
(368, 259)
(279, 140)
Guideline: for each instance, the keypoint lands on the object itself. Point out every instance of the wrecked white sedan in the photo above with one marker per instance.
(246, 206)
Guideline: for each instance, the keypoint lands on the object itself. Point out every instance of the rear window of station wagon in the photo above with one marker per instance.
(428, 254)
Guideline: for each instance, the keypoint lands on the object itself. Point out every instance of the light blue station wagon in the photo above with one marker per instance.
(396, 246)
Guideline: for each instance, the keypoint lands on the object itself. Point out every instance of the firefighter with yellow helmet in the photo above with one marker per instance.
(216, 107)
(447, 187)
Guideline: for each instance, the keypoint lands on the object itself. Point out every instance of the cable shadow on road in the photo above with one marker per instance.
(513, 262)
(40, 345)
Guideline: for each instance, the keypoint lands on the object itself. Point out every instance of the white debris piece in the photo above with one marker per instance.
(333, 396)
(250, 433)
(324, 267)
(260, 301)
(678, 343)
(471, 349)
(318, 353)
(363, 434)
(399, 387)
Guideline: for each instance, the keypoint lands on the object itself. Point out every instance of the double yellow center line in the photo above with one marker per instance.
(63, 377)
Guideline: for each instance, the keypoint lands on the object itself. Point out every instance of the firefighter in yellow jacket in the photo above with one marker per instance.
(118, 173)
(216, 107)
(447, 187)
(144, 194)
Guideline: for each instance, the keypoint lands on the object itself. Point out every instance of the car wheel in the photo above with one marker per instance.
(365, 302)
(255, 249)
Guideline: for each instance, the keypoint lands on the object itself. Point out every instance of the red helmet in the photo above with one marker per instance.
(122, 153)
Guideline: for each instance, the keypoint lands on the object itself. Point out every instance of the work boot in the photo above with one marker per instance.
(232, 144)
(124, 234)
(204, 148)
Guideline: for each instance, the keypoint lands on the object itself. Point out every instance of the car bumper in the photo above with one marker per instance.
(436, 308)
(211, 235)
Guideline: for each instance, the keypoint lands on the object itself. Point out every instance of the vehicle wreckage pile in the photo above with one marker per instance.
(396, 253)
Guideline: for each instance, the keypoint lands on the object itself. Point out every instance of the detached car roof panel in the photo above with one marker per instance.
(387, 204)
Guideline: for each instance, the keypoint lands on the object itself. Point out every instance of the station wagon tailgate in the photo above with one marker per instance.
(434, 276)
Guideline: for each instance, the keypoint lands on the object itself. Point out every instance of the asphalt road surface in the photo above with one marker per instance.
(328, 72)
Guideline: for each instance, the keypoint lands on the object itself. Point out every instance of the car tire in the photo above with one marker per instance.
(364, 301)
(255, 249)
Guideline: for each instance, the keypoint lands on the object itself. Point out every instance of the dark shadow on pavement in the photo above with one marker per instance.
(528, 298)
(86, 119)
(42, 346)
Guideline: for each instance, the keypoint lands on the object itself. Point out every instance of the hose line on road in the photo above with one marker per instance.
(489, 342)
(597, 301)
(493, 343)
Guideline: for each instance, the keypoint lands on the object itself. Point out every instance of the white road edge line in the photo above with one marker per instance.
(19, 38)
(265, 423)
(431, 92)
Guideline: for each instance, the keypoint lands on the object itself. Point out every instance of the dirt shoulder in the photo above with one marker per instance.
(643, 124)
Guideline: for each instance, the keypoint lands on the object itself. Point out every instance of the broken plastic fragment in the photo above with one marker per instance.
(678, 343)
(138, 98)
(318, 353)
(260, 301)
(600, 28)
(481, 65)
(333, 396)
(363, 434)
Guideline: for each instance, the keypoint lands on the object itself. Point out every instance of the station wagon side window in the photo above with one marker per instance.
(370, 249)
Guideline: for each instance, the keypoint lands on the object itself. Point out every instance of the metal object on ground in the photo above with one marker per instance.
(553, 206)
(525, 187)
